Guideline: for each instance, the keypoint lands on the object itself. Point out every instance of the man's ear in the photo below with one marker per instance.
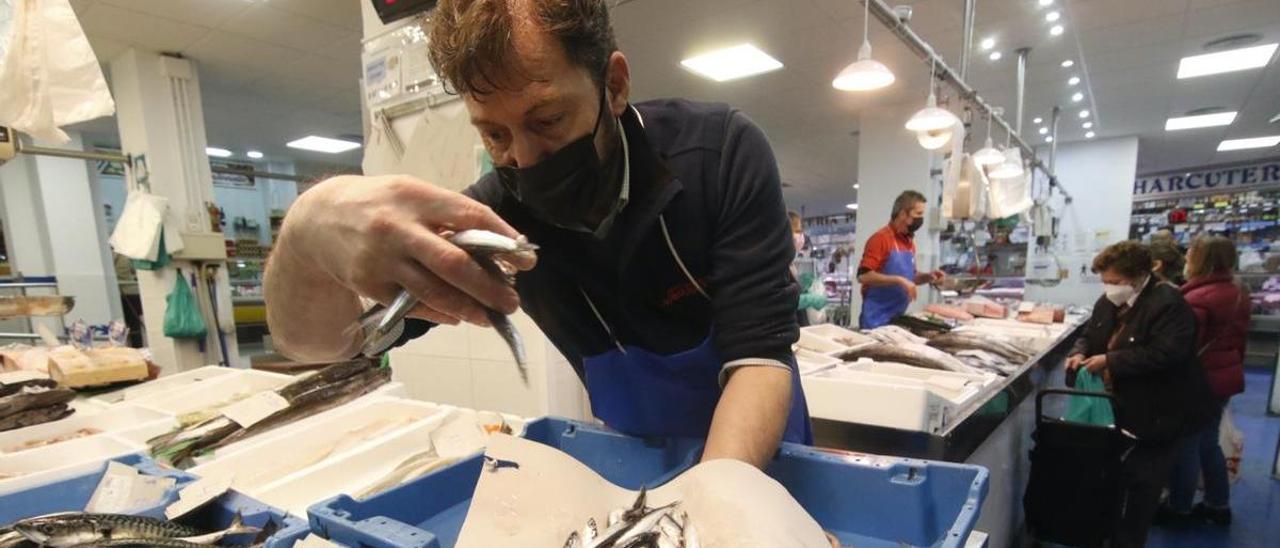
(617, 81)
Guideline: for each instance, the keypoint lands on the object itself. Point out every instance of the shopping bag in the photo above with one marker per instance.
(137, 233)
(1232, 442)
(163, 258)
(1088, 409)
(182, 317)
(49, 76)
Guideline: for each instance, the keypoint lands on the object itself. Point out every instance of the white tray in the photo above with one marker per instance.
(811, 362)
(309, 444)
(164, 384)
(45, 464)
(113, 420)
(837, 334)
(218, 390)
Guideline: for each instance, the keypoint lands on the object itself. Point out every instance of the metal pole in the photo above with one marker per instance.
(123, 159)
(1053, 130)
(967, 46)
(1022, 86)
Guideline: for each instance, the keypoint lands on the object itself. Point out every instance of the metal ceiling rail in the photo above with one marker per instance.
(124, 159)
(945, 73)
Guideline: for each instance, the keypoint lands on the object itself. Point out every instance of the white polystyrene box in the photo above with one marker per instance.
(165, 384)
(219, 391)
(110, 420)
(46, 464)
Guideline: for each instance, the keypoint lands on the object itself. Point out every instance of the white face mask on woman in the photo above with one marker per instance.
(1118, 294)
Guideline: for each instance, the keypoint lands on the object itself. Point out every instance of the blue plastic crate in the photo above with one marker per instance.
(72, 494)
(865, 501)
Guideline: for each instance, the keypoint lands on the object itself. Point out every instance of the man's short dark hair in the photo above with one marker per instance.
(1128, 258)
(905, 201)
(472, 47)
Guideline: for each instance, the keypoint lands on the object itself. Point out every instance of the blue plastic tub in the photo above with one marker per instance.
(72, 494)
(863, 500)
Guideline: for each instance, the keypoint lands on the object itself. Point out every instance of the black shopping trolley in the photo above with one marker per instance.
(1073, 496)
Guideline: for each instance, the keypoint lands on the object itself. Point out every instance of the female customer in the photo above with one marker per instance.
(1221, 307)
(1141, 336)
(1168, 261)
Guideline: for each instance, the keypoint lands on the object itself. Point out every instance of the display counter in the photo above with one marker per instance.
(964, 433)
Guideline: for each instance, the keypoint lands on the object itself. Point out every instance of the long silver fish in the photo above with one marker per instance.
(487, 249)
(968, 341)
(77, 528)
(908, 354)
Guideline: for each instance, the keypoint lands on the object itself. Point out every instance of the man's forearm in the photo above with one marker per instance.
(308, 312)
(923, 278)
(751, 416)
(876, 279)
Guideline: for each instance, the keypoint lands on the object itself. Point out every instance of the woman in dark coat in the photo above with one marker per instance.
(1141, 339)
(1221, 307)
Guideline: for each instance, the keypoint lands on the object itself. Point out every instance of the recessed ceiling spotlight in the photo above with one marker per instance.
(1089, 135)
(1068, 63)
(1073, 80)
(322, 144)
(1253, 142)
(1048, 139)
(1044, 130)
(1056, 30)
(995, 56)
(987, 43)
(1077, 97)
(1084, 113)
(1052, 16)
(852, 206)
(1045, 2)
(217, 152)
(856, 186)
(1037, 120)
(1087, 125)
(254, 154)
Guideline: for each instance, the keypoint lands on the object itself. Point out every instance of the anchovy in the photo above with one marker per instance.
(78, 528)
(486, 248)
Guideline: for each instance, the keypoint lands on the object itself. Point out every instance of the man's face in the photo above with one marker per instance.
(906, 216)
(550, 102)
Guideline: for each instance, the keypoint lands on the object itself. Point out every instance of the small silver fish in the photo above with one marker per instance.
(615, 517)
(574, 541)
(591, 531)
(690, 539)
(644, 525)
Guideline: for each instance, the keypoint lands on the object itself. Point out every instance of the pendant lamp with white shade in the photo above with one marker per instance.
(864, 74)
(988, 155)
(934, 139)
(931, 117)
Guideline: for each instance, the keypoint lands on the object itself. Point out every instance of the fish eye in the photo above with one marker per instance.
(46, 528)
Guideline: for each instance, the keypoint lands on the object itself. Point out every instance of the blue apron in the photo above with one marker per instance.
(643, 393)
(882, 303)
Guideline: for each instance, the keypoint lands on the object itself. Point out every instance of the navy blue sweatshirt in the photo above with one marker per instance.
(711, 175)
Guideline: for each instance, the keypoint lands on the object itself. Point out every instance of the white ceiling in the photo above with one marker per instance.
(273, 70)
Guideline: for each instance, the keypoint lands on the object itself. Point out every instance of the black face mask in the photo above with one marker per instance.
(915, 225)
(567, 187)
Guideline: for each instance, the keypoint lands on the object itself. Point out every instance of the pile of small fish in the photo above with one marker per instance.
(638, 527)
(328, 388)
(909, 353)
(108, 530)
(31, 402)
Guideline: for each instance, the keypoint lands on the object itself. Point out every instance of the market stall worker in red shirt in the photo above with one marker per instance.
(888, 269)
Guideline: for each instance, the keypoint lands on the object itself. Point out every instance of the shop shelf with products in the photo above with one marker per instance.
(829, 254)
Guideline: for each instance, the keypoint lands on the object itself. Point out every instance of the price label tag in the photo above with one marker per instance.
(198, 494)
(259, 406)
(122, 490)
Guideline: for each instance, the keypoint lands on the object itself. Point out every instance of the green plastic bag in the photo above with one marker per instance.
(182, 317)
(162, 258)
(1089, 409)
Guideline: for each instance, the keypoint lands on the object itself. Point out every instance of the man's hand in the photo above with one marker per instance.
(909, 286)
(1095, 363)
(751, 416)
(1074, 361)
(372, 236)
(938, 277)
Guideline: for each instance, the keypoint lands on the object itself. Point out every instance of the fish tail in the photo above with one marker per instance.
(238, 527)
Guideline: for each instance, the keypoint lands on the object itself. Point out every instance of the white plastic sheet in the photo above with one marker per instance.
(49, 75)
(1010, 195)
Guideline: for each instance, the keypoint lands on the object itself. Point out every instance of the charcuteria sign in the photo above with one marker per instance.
(1259, 175)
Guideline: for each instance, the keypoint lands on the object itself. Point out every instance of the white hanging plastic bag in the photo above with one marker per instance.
(1232, 442)
(49, 76)
(137, 233)
(1010, 195)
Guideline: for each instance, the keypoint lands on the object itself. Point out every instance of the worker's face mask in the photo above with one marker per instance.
(1118, 294)
(915, 225)
(565, 188)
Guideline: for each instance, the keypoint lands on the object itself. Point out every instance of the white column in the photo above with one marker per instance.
(1099, 175)
(890, 161)
(159, 111)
